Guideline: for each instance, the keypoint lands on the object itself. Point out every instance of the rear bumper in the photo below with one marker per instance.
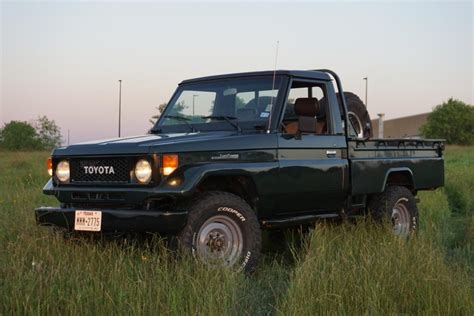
(116, 220)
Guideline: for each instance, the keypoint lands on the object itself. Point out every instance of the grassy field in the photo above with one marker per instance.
(335, 269)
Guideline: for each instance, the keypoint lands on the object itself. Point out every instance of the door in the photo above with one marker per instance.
(313, 167)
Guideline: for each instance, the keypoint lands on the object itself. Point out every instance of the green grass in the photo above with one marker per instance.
(335, 269)
(359, 270)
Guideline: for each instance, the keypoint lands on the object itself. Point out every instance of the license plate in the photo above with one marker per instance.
(88, 221)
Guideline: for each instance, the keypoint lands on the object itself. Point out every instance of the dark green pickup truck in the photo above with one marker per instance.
(234, 154)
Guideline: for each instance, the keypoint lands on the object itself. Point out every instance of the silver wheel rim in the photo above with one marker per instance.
(401, 218)
(356, 123)
(219, 241)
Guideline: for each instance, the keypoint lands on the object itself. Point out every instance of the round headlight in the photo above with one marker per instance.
(62, 171)
(143, 171)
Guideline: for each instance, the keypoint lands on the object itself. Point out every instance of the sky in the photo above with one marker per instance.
(64, 59)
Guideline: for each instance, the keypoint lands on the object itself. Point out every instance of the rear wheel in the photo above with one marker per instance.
(397, 206)
(222, 230)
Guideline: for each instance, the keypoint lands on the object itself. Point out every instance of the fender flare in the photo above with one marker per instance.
(396, 170)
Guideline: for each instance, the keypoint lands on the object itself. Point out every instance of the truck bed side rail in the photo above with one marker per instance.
(390, 144)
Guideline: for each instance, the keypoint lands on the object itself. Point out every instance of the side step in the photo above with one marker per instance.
(297, 220)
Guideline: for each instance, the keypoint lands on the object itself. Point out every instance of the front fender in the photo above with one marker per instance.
(186, 179)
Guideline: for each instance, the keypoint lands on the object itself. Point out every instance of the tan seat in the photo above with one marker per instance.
(307, 110)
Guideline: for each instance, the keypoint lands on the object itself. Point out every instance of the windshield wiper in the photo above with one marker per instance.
(182, 119)
(224, 118)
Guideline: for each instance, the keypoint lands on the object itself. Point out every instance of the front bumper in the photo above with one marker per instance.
(116, 220)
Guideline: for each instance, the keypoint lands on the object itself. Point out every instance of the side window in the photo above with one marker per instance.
(306, 109)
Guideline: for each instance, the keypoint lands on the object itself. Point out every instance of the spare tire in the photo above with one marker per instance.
(357, 112)
(358, 115)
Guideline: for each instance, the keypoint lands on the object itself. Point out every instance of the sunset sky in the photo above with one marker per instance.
(63, 59)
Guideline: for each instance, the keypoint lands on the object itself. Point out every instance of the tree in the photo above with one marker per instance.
(17, 135)
(49, 133)
(453, 120)
(160, 109)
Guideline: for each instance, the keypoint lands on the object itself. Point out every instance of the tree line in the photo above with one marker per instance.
(41, 134)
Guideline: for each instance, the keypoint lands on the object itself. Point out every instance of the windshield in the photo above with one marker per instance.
(239, 103)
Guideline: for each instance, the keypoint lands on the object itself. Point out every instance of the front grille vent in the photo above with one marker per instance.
(100, 170)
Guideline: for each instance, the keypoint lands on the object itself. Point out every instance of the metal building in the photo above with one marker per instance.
(408, 126)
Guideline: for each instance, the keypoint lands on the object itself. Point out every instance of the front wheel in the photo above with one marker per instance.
(396, 205)
(222, 230)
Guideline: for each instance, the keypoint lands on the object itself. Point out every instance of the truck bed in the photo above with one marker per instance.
(375, 161)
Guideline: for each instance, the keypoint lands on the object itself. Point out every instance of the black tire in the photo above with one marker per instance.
(398, 206)
(357, 111)
(213, 224)
(358, 115)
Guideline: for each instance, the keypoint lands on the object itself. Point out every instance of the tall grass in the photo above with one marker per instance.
(460, 193)
(362, 269)
(338, 269)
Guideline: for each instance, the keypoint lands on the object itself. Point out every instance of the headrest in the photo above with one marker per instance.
(307, 107)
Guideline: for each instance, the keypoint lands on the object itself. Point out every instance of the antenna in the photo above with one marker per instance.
(273, 86)
(275, 67)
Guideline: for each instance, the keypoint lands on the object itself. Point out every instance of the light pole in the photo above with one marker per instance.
(120, 106)
(366, 88)
(194, 96)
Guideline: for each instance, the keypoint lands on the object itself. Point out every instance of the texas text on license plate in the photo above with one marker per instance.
(88, 220)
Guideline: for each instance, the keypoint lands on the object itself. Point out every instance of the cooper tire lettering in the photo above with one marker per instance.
(231, 210)
(246, 260)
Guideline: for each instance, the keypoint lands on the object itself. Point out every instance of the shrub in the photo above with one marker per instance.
(452, 120)
(17, 135)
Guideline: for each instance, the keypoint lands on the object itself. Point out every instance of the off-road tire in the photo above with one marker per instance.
(399, 201)
(356, 107)
(227, 208)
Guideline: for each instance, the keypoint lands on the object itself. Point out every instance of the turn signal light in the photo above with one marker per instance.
(170, 163)
(49, 166)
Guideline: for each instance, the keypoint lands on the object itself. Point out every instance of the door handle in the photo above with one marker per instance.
(331, 153)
